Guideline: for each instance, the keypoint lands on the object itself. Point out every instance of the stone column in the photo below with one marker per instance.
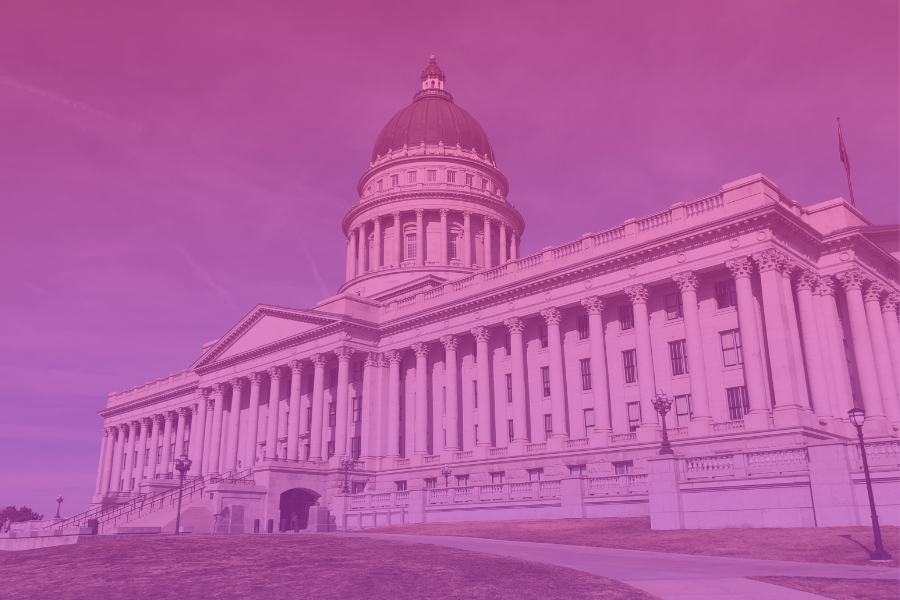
(169, 416)
(318, 401)
(420, 417)
(880, 348)
(108, 458)
(351, 256)
(293, 428)
(553, 316)
(183, 413)
(876, 422)
(517, 357)
(251, 439)
(786, 267)
(368, 406)
(381, 393)
(272, 412)
(234, 424)
(363, 247)
(701, 419)
(393, 413)
(104, 438)
(342, 422)
(599, 373)
(754, 375)
(444, 236)
(118, 457)
(146, 424)
(483, 363)
(375, 259)
(451, 375)
(814, 343)
(838, 377)
(487, 243)
(513, 246)
(129, 454)
(420, 237)
(503, 247)
(892, 329)
(207, 434)
(467, 239)
(198, 432)
(152, 465)
(638, 294)
(215, 434)
(398, 241)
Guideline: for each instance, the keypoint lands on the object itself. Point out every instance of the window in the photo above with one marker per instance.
(402, 409)
(683, 410)
(444, 401)
(543, 335)
(332, 415)
(411, 177)
(629, 363)
(578, 470)
(330, 449)
(451, 176)
(584, 328)
(430, 483)
(588, 418)
(497, 477)
(395, 180)
(509, 395)
(410, 246)
(430, 175)
(358, 367)
(310, 383)
(673, 307)
(355, 447)
(507, 344)
(358, 487)
(484, 183)
(476, 434)
(633, 409)
(510, 430)
(726, 294)
(475, 393)
(453, 247)
(548, 426)
(305, 452)
(356, 409)
(470, 179)
(146, 459)
(678, 357)
(462, 480)
(134, 459)
(400, 485)
(732, 352)
(545, 380)
(626, 317)
(585, 373)
(308, 418)
(172, 452)
(535, 474)
(158, 455)
(186, 447)
(332, 377)
(738, 403)
(380, 184)
(624, 467)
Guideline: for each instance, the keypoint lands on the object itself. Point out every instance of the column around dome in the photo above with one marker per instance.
(420, 237)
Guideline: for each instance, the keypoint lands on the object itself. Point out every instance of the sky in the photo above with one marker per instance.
(165, 166)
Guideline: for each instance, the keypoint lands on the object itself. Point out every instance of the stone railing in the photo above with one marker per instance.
(709, 466)
(498, 452)
(465, 454)
(746, 464)
(777, 461)
(539, 447)
(673, 433)
(402, 462)
(879, 454)
(727, 426)
(616, 485)
(429, 460)
(622, 438)
(577, 443)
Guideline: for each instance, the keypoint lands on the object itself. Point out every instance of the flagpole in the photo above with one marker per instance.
(846, 160)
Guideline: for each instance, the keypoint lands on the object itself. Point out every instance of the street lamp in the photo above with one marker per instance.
(182, 465)
(346, 463)
(858, 417)
(445, 471)
(662, 404)
(59, 501)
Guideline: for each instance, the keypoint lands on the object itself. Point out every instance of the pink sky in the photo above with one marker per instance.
(165, 166)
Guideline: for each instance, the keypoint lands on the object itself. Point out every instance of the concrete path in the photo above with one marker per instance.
(667, 576)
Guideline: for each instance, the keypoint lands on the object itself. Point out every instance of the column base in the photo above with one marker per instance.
(516, 448)
(599, 439)
(699, 428)
(555, 444)
(647, 432)
(790, 416)
(756, 421)
(877, 426)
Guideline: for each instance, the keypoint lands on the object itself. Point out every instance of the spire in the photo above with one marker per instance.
(433, 79)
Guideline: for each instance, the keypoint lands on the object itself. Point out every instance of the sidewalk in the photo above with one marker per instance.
(668, 576)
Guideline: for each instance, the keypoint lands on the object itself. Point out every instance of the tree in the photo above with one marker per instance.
(19, 515)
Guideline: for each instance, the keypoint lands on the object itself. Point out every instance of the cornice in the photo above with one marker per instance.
(176, 392)
(417, 158)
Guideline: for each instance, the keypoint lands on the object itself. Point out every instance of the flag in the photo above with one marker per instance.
(842, 149)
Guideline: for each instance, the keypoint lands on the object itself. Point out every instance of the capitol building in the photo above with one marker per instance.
(450, 378)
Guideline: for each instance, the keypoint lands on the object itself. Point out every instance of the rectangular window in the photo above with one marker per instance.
(507, 344)
(330, 449)
(380, 184)
(548, 426)
(134, 459)
(186, 447)
(332, 415)
(462, 480)
(402, 409)
(310, 383)
(395, 180)
(158, 456)
(470, 179)
(358, 487)
(308, 418)
(305, 451)
(585, 373)
(172, 452)
(732, 352)
(629, 363)
(452, 247)
(673, 307)
(624, 467)
(726, 294)
(146, 459)
(451, 176)
(355, 446)
(535, 474)
(633, 410)
(332, 377)
(400, 485)
(410, 246)
(678, 357)
(584, 328)
(476, 434)
(356, 409)
(444, 401)
(497, 477)
(578, 470)
(545, 381)
(358, 369)
(411, 177)
(430, 175)
(430, 483)
(475, 394)
(543, 335)
(738, 402)
(588, 419)
(683, 410)
(510, 430)
(509, 395)
(484, 183)
(626, 317)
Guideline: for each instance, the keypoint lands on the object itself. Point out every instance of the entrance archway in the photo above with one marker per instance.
(296, 500)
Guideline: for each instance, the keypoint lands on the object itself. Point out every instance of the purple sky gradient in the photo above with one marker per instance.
(165, 166)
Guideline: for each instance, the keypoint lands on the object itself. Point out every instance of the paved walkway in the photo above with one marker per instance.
(665, 575)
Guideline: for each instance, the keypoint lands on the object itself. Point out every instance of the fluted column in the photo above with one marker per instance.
(786, 267)
(420, 237)
(181, 425)
(483, 358)
(101, 466)
(198, 431)
(892, 329)
(503, 247)
(251, 441)
(108, 458)
(444, 236)
(398, 241)
(393, 413)
(215, 434)
(553, 317)
(234, 424)
(815, 342)
(129, 454)
(375, 259)
(169, 416)
(833, 353)
(467, 239)
(451, 391)
(272, 411)
(381, 395)
(487, 243)
(318, 400)
(351, 256)
(639, 294)
(293, 429)
(342, 423)
(876, 422)
(363, 247)
(146, 424)
(882, 352)
(517, 357)
(754, 375)
(599, 373)
(152, 464)
(118, 458)
(420, 418)
(369, 406)
(513, 246)
(701, 419)
(207, 434)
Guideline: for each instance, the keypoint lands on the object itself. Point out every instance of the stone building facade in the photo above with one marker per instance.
(529, 379)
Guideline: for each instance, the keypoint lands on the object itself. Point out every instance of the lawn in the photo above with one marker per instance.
(839, 545)
(287, 566)
(839, 589)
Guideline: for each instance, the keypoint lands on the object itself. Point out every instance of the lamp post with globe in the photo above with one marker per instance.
(662, 404)
(182, 465)
(858, 417)
(346, 463)
(446, 471)
(59, 501)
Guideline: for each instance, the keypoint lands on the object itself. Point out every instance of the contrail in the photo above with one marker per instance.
(322, 287)
(205, 277)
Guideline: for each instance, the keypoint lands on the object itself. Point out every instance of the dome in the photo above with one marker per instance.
(432, 118)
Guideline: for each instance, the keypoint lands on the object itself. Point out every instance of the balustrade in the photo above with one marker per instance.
(577, 443)
(539, 447)
(709, 466)
(728, 426)
(622, 438)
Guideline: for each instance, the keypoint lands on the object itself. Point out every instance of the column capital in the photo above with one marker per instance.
(373, 359)
(237, 384)
(514, 324)
(450, 342)
(393, 357)
(318, 360)
(362, 228)
(482, 334)
(806, 281)
(768, 260)
(444, 211)
(396, 215)
(184, 411)
(825, 286)
(593, 305)
(420, 348)
(487, 219)
(687, 281)
(296, 367)
(420, 212)
(210, 404)
(740, 267)
(352, 235)
(638, 294)
(467, 214)
(123, 428)
(376, 219)
(891, 302)
(852, 279)
(874, 291)
(255, 378)
(203, 393)
(195, 408)
(343, 353)
(106, 431)
(135, 424)
(552, 315)
(158, 418)
(502, 225)
(147, 421)
(169, 416)
(219, 388)
(274, 373)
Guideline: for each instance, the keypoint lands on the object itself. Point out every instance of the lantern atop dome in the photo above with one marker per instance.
(433, 77)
